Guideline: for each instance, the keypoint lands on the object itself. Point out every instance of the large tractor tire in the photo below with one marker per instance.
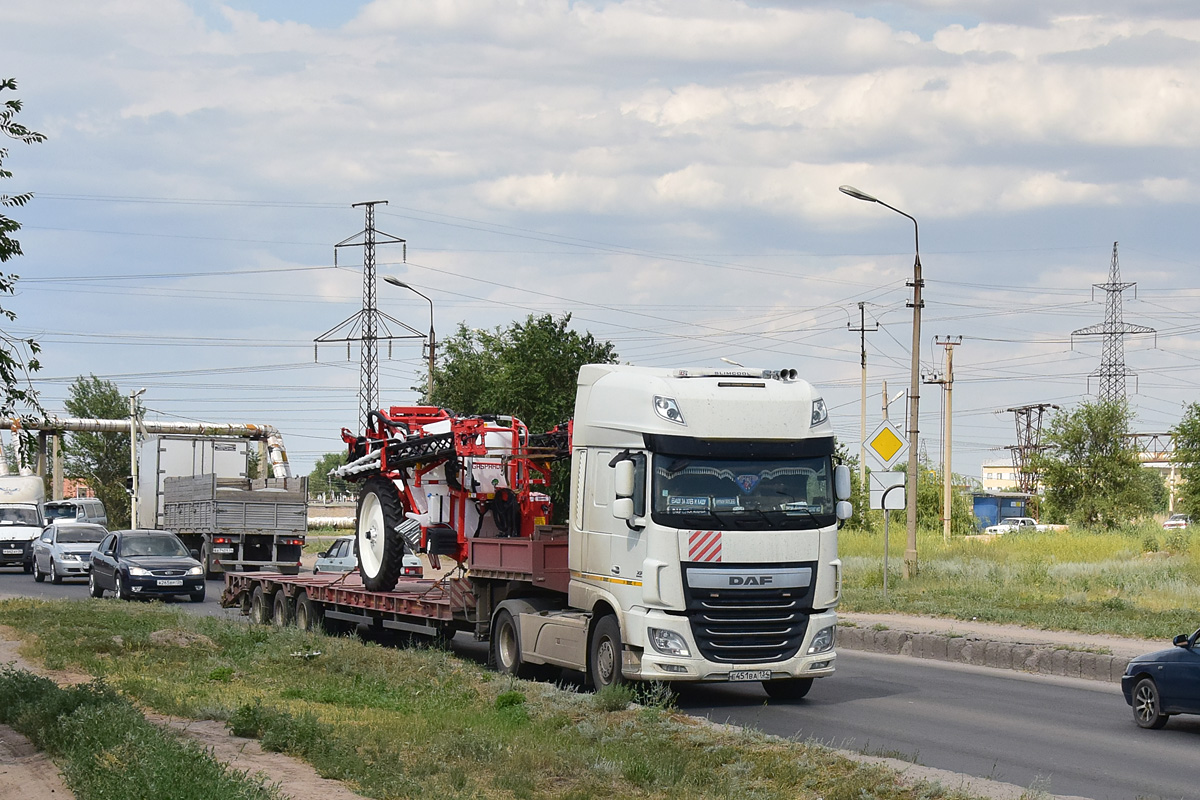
(379, 545)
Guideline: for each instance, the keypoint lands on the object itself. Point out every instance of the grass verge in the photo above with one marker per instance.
(1139, 581)
(421, 723)
(107, 749)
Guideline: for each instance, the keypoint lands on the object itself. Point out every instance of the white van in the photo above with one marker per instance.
(77, 509)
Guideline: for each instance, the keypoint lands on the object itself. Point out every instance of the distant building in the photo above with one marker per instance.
(77, 487)
(999, 476)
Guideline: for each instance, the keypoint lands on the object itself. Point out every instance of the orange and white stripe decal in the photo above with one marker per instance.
(704, 546)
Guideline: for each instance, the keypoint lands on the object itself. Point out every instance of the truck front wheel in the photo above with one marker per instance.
(787, 688)
(604, 662)
(380, 546)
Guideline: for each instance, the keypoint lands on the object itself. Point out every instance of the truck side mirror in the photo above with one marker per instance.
(622, 508)
(841, 482)
(623, 481)
(844, 510)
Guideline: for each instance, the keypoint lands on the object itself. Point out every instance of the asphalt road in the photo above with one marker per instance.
(1059, 735)
(1063, 736)
(14, 583)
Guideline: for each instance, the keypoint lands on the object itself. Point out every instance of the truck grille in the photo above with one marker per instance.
(748, 626)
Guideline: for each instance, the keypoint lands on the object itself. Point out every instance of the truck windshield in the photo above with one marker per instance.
(15, 515)
(736, 494)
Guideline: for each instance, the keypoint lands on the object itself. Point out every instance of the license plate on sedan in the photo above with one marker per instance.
(750, 675)
(170, 582)
(12, 552)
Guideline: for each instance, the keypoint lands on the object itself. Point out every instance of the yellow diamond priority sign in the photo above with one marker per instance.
(886, 445)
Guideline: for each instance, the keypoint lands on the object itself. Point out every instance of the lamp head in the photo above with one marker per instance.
(394, 281)
(857, 194)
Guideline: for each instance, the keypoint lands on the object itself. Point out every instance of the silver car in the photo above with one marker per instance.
(340, 557)
(64, 550)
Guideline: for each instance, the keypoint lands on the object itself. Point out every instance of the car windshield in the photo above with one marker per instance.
(19, 516)
(153, 546)
(792, 493)
(55, 512)
(81, 534)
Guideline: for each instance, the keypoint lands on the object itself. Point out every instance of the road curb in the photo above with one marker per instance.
(1038, 658)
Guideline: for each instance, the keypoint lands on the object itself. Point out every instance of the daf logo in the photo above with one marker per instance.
(751, 580)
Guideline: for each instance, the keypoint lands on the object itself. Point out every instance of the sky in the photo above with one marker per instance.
(665, 171)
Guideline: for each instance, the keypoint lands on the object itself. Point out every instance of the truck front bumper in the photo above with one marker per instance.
(15, 553)
(643, 662)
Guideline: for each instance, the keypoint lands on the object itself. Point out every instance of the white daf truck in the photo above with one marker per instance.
(701, 544)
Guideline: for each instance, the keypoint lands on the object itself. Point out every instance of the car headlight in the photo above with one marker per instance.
(139, 571)
(668, 643)
(822, 642)
(72, 557)
(196, 571)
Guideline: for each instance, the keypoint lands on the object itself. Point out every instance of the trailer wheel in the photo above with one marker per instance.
(281, 613)
(308, 613)
(604, 663)
(505, 650)
(379, 545)
(260, 612)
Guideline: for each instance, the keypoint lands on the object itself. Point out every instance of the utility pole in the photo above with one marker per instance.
(861, 330)
(133, 458)
(364, 326)
(946, 380)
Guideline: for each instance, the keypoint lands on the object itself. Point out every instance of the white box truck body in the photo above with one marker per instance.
(22, 498)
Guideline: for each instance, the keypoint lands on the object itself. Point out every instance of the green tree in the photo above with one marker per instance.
(1187, 457)
(321, 482)
(1089, 468)
(18, 357)
(101, 458)
(527, 370)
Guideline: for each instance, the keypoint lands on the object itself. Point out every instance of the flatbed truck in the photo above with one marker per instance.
(701, 543)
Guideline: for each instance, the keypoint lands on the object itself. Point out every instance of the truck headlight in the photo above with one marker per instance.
(822, 642)
(140, 572)
(668, 643)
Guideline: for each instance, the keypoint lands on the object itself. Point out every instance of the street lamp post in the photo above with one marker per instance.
(914, 397)
(397, 282)
(133, 458)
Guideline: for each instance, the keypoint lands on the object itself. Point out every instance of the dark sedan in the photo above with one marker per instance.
(1165, 682)
(145, 564)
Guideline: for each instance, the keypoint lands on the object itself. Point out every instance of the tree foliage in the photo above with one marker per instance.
(101, 458)
(1187, 457)
(18, 357)
(527, 370)
(319, 480)
(1090, 468)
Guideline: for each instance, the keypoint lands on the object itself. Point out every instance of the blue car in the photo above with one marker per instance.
(1165, 682)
